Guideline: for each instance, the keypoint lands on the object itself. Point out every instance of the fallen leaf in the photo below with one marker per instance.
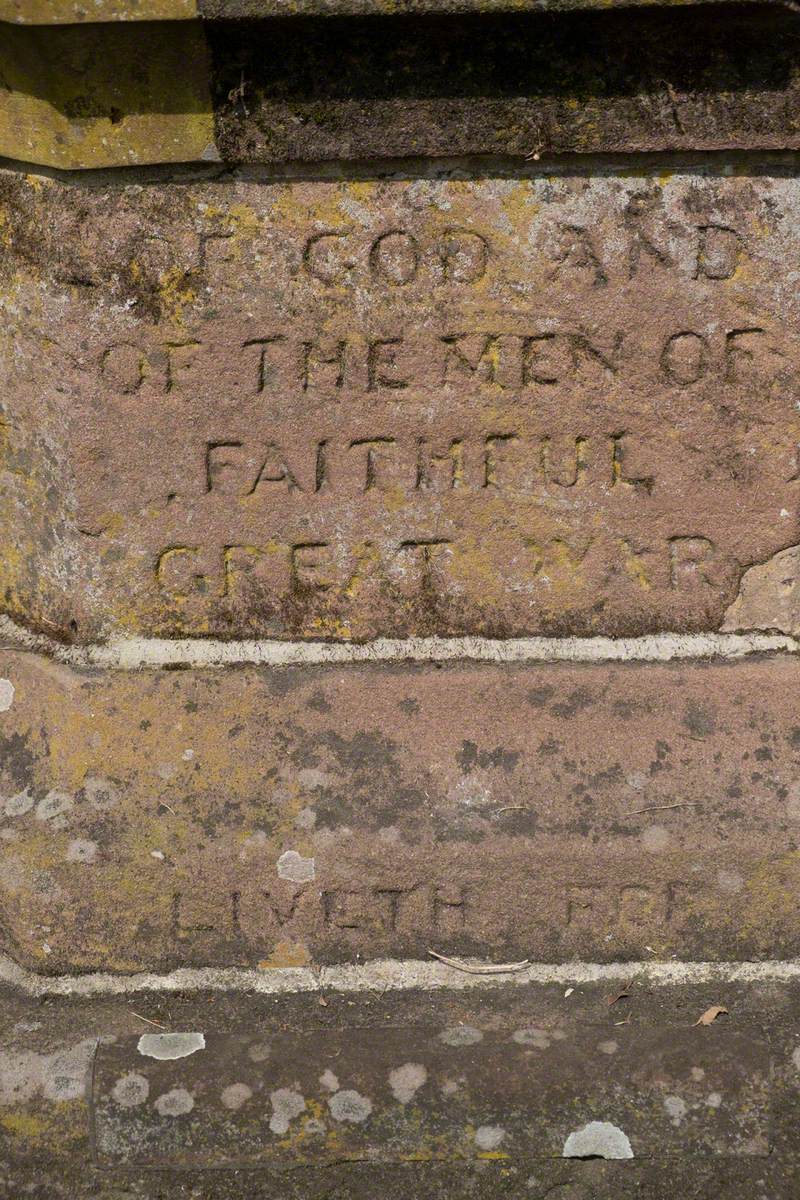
(710, 1015)
(624, 991)
(480, 969)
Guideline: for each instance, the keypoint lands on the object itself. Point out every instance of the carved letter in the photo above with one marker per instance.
(381, 354)
(452, 458)
(318, 258)
(394, 258)
(219, 461)
(309, 561)
(124, 367)
(719, 250)
(371, 458)
(684, 359)
(264, 373)
(464, 255)
(737, 353)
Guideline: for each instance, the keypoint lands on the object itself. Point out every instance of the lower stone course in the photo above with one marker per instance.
(487, 1087)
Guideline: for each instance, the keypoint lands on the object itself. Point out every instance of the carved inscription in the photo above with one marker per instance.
(499, 407)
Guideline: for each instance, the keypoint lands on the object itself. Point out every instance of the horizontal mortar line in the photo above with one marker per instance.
(131, 654)
(711, 161)
(392, 975)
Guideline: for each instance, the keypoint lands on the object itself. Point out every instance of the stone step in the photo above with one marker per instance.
(531, 1092)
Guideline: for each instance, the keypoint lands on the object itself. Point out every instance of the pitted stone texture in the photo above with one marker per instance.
(343, 410)
(237, 9)
(67, 12)
(547, 813)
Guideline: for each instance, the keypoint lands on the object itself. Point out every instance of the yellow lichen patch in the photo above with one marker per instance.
(24, 1125)
(286, 954)
(70, 12)
(107, 95)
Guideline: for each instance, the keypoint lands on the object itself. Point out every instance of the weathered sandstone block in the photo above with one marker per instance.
(562, 405)
(287, 816)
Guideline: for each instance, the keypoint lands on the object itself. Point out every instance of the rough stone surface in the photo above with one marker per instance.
(595, 812)
(237, 9)
(439, 78)
(769, 596)
(710, 1112)
(557, 405)
(67, 12)
(628, 79)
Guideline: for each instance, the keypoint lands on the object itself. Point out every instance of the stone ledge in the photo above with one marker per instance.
(610, 79)
(708, 1110)
(69, 12)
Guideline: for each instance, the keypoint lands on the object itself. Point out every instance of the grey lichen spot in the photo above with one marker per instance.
(598, 1139)
(461, 1035)
(130, 1090)
(609, 1047)
(65, 1074)
(796, 1058)
(294, 867)
(55, 804)
(329, 1080)
(235, 1095)
(676, 1108)
(769, 596)
(286, 1105)
(17, 806)
(176, 1103)
(489, 1137)
(80, 850)
(314, 1126)
(406, 1081)
(171, 1045)
(259, 1052)
(100, 792)
(6, 694)
(656, 838)
(350, 1105)
(714, 1099)
(61, 1076)
(531, 1037)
